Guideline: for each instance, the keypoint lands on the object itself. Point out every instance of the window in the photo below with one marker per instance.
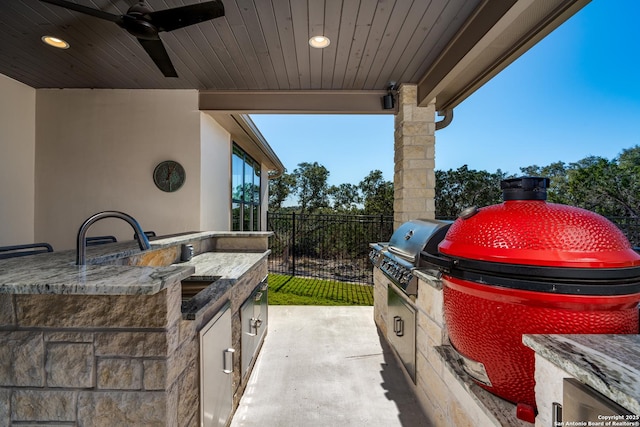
(245, 192)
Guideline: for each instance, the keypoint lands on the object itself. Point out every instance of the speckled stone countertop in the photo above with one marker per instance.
(56, 272)
(223, 269)
(201, 235)
(429, 276)
(223, 265)
(607, 363)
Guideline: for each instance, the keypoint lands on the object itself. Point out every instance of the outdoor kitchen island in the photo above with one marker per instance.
(115, 342)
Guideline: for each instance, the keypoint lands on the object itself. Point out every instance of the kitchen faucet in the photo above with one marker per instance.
(81, 247)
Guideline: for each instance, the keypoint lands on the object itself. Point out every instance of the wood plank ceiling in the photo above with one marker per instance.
(262, 45)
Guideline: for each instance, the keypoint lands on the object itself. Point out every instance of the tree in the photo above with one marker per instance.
(279, 189)
(462, 188)
(377, 194)
(346, 197)
(558, 191)
(608, 187)
(311, 186)
(629, 180)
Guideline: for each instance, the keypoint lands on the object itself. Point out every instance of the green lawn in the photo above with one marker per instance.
(291, 290)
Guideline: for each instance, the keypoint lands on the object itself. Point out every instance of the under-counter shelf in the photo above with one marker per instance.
(192, 287)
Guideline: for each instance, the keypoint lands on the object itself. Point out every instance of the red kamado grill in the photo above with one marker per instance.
(526, 266)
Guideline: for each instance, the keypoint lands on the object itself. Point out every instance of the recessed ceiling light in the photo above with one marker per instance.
(55, 42)
(319, 42)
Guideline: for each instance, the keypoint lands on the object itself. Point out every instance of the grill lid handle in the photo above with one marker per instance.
(525, 188)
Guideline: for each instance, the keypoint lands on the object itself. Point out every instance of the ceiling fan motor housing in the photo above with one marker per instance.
(137, 26)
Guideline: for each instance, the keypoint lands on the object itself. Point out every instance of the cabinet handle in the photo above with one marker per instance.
(257, 323)
(398, 326)
(227, 363)
(254, 324)
(556, 414)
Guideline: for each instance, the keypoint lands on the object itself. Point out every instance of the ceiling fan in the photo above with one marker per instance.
(145, 24)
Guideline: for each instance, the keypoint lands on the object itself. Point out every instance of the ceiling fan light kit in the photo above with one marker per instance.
(145, 24)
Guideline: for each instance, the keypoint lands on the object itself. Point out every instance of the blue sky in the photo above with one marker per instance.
(575, 94)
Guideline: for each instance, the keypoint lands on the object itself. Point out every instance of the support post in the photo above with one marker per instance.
(414, 158)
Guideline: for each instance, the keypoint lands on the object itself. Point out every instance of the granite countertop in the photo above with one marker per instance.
(178, 239)
(223, 265)
(223, 269)
(56, 272)
(502, 412)
(429, 276)
(607, 363)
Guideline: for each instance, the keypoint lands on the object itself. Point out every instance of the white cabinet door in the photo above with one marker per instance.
(216, 367)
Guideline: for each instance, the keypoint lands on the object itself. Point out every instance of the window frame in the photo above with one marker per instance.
(245, 209)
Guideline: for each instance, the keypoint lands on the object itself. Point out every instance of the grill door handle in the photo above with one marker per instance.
(398, 326)
(227, 360)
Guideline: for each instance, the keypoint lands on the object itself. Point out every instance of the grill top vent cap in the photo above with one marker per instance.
(525, 188)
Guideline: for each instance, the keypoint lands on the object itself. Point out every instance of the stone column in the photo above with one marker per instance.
(414, 173)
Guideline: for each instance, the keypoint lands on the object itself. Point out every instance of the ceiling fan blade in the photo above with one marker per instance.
(86, 10)
(179, 17)
(159, 54)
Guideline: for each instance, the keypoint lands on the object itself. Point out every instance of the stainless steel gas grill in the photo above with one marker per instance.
(398, 259)
(401, 255)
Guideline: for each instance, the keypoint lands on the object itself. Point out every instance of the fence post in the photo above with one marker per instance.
(293, 244)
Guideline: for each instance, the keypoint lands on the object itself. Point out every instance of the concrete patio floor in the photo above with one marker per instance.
(322, 366)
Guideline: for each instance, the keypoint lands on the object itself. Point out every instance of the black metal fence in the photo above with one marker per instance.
(336, 247)
(330, 247)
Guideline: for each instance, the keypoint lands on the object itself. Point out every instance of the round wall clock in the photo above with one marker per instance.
(169, 176)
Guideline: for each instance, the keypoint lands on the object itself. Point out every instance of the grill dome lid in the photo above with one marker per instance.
(527, 230)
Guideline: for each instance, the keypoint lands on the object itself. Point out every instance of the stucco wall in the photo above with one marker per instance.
(17, 151)
(215, 196)
(96, 150)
